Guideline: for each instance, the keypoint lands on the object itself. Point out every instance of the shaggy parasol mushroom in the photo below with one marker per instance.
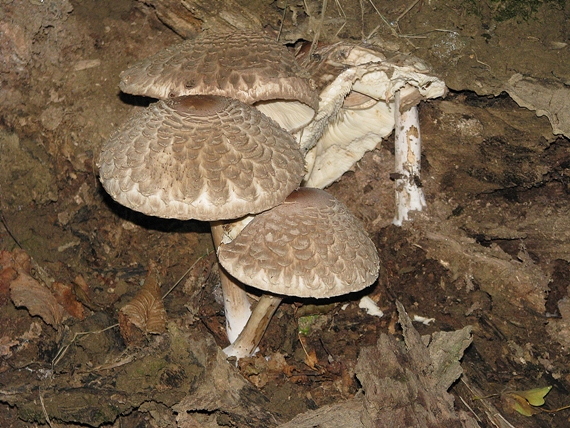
(243, 65)
(208, 158)
(246, 66)
(309, 246)
(369, 97)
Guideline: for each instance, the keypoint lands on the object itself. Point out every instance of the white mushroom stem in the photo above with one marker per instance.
(236, 303)
(247, 342)
(409, 195)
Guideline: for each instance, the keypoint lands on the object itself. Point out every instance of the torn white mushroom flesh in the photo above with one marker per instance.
(357, 110)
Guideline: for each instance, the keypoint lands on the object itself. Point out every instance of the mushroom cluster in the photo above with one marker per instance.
(218, 146)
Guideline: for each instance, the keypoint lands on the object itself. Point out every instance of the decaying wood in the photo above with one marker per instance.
(187, 17)
(341, 415)
(405, 383)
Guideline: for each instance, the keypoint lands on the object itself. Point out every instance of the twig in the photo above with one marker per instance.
(5, 224)
(44, 408)
(343, 16)
(470, 409)
(62, 351)
(410, 7)
(480, 62)
(493, 414)
(390, 26)
(372, 33)
(318, 31)
(109, 366)
(282, 20)
(185, 273)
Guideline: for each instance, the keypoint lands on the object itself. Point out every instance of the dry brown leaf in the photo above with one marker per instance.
(66, 298)
(277, 363)
(22, 260)
(5, 344)
(7, 275)
(144, 314)
(26, 292)
(83, 294)
(311, 360)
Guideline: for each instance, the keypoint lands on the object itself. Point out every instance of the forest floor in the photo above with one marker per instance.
(491, 251)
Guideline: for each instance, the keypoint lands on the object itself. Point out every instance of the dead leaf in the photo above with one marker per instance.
(277, 363)
(83, 293)
(33, 333)
(7, 275)
(144, 314)
(26, 292)
(22, 260)
(260, 370)
(311, 359)
(5, 344)
(65, 297)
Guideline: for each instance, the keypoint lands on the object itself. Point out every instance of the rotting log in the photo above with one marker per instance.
(188, 17)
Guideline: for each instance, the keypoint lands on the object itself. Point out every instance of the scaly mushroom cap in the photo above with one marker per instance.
(200, 157)
(247, 66)
(310, 246)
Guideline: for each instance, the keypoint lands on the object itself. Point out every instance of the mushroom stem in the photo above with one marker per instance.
(249, 338)
(409, 195)
(236, 303)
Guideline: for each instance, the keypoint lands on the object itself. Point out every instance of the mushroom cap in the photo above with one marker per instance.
(200, 157)
(309, 246)
(247, 66)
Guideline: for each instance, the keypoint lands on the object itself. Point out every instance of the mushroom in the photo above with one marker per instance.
(310, 246)
(407, 155)
(205, 157)
(243, 65)
(368, 98)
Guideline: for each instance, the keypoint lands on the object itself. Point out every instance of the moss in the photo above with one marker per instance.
(504, 10)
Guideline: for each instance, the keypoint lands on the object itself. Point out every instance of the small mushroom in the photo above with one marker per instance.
(246, 66)
(310, 246)
(199, 157)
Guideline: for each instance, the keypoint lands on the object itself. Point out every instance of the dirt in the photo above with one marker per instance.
(491, 251)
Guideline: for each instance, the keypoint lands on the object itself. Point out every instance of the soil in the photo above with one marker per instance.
(491, 251)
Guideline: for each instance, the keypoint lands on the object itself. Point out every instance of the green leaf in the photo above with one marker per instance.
(525, 402)
(535, 396)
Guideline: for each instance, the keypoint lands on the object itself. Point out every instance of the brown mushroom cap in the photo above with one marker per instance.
(310, 246)
(247, 66)
(200, 157)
